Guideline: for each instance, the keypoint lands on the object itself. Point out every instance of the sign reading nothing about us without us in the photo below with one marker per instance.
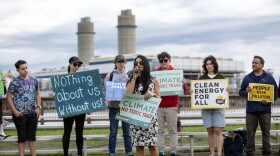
(209, 94)
(78, 93)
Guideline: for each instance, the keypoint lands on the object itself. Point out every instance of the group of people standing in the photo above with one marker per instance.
(24, 99)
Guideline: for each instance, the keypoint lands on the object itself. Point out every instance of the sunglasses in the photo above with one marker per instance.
(77, 64)
(164, 60)
(139, 62)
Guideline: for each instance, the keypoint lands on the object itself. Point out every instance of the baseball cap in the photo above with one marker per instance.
(75, 59)
(119, 58)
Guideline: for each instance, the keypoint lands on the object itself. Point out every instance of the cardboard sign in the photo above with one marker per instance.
(134, 109)
(78, 93)
(170, 82)
(115, 90)
(2, 94)
(261, 92)
(209, 94)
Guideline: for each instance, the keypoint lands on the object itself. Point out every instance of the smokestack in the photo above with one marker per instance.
(126, 32)
(85, 40)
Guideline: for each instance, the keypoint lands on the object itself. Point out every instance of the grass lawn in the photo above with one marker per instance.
(96, 131)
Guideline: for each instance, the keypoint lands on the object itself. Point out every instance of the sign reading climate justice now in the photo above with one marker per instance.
(170, 82)
(134, 109)
(115, 90)
(261, 92)
(209, 94)
(2, 95)
(78, 93)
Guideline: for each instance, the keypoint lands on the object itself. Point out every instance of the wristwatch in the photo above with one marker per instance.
(39, 107)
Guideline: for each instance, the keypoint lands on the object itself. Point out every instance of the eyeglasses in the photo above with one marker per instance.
(164, 60)
(139, 62)
(77, 64)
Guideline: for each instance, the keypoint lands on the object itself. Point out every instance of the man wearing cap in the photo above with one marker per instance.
(119, 74)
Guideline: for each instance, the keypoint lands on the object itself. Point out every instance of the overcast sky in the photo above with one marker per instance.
(43, 32)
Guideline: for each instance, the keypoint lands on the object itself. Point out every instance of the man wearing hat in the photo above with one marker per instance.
(119, 74)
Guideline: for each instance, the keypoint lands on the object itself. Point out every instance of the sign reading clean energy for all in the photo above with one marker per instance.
(170, 82)
(134, 109)
(209, 94)
(78, 93)
(261, 92)
(115, 90)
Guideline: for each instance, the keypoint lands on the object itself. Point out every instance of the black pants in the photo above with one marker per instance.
(68, 123)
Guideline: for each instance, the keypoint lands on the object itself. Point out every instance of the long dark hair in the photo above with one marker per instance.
(68, 68)
(145, 75)
(213, 61)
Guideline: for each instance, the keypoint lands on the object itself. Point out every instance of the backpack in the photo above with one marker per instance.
(111, 76)
(233, 145)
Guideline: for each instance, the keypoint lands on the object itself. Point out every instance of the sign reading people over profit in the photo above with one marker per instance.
(2, 95)
(115, 90)
(209, 94)
(134, 109)
(78, 93)
(170, 82)
(261, 92)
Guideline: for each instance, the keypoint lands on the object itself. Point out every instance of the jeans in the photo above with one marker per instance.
(252, 121)
(114, 124)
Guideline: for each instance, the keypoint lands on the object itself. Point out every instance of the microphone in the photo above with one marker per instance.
(136, 71)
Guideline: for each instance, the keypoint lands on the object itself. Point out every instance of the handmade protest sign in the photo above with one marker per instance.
(2, 95)
(115, 90)
(261, 92)
(134, 109)
(209, 94)
(170, 82)
(78, 93)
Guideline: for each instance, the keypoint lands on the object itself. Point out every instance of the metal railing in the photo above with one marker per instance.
(236, 110)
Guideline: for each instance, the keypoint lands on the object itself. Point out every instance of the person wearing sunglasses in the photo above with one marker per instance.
(168, 110)
(141, 82)
(119, 74)
(74, 65)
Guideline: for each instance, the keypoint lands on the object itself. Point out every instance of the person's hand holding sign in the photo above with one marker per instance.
(264, 102)
(248, 89)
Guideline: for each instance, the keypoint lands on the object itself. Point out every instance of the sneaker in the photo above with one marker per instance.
(3, 137)
(5, 123)
(161, 154)
(173, 154)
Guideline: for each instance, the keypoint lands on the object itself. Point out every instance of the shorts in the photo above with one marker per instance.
(26, 127)
(213, 118)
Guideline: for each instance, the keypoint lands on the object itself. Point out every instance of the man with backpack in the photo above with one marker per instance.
(119, 74)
